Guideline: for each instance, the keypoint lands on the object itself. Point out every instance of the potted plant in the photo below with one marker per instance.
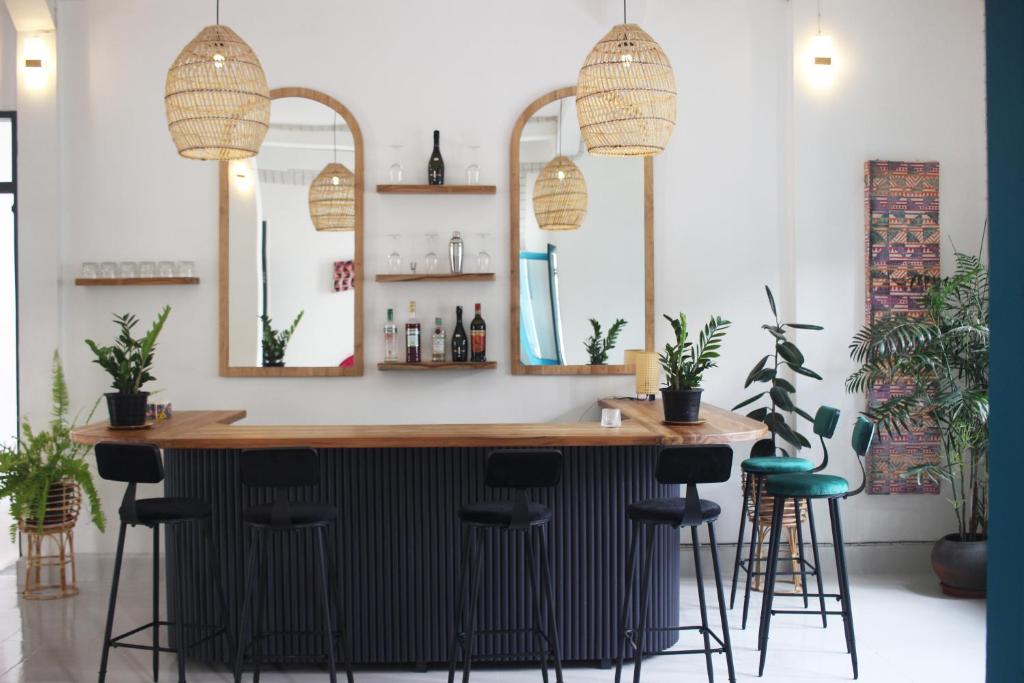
(685, 364)
(598, 346)
(40, 463)
(275, 342)
(941, 356)
(129, 361)
(780, 391)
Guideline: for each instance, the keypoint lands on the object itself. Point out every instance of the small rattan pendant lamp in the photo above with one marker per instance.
(332, 195)
(560, 192)
(216, 97)
(626, 94)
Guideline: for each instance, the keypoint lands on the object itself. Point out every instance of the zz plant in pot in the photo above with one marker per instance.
(685, 363)
(275, 342)
(129, 362)
(941, 357)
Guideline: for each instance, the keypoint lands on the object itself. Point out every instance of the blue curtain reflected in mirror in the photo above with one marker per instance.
(540, 324)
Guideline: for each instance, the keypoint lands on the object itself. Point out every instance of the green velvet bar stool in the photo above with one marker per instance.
(813, 486)
(765, 462)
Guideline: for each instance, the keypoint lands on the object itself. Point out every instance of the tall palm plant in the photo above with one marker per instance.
(942, 356)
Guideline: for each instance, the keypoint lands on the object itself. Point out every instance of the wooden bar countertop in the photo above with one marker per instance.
(215, 429)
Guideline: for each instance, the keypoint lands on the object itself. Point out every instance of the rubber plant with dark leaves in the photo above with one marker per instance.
(40, 460)
(598, 346)
(779, 392)
(275, 342)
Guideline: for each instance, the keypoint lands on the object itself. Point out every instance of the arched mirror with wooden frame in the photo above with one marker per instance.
(563, 278)
(291, 243)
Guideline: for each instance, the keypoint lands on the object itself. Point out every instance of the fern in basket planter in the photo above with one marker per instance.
(41, 465)
(598, 346)
(129, 362)
(275, 342)
(685, 363)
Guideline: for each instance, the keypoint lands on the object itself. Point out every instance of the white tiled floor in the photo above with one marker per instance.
(907, 632)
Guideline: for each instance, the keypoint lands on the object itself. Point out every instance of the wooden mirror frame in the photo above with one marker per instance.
(228, 370)
(518, 367)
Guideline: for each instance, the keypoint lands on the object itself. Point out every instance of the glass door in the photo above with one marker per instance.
(8, 307)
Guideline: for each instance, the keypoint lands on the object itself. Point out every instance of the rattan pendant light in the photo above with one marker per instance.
(626, 94)
(216, 97)
(560, 192)
(332, 195)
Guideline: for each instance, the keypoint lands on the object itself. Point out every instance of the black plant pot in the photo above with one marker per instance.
(961, 565)
(127, 410)
(273, 363)
(681, 405)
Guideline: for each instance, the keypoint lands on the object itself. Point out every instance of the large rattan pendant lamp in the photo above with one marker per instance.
(560, 192)
(216, 97)
(626, 94)
(332, 195)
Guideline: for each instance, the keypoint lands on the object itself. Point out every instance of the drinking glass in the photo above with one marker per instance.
(185, 269)
(473, 170)
(483, 259)
(395, 170)
(128, 269)
(90, 270)
(394, 259)
(430, 259)
(108, 270)
(165, 269)
(147, 269)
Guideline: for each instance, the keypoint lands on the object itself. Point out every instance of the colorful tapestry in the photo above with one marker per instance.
(901, 207)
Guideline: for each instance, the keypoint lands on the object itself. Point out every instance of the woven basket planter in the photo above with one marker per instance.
(626, 95)
(766, 516)
(216, 98)
(560, 195)
(63, 504)
(332, 199)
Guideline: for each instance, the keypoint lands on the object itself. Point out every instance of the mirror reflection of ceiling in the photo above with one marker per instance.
(300, 142)
(539, 141)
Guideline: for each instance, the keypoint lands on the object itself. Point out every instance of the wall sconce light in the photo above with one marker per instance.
(35, 61)
(820, 56)
(241, 175)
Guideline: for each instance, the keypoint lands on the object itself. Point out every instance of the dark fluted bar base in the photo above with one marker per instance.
(398, 541)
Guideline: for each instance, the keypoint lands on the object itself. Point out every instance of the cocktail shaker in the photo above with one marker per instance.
(455, 249)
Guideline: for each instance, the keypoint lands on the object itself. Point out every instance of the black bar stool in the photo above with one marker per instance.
(518, 470)
(764, 462)
(282, 469)
(141, 464)
(815, 486)
(690, 465)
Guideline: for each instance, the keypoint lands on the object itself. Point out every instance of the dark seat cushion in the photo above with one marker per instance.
(301, 514)
(772, 464)
(807, 485)
(171, 509)
(499, 513)
(669, 510)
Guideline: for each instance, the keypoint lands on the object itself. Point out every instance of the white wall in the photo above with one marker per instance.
(760, 184)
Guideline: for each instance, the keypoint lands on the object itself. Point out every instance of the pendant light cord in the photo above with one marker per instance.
(819, 17)
(334, 136)
(218, 12)
(623, 11)
(558, 132)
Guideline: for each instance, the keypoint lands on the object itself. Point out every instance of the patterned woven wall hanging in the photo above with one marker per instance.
(901, 213)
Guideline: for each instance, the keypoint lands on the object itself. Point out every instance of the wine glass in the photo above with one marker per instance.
(395, 170)
(483, 259)
(394, 259)
(473, 170)
(430, 259)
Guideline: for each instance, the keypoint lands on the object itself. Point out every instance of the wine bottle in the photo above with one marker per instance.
(460, 344)
(437, 346)
(478, 337)
(391, 338)
(412, 336)
(435, 167)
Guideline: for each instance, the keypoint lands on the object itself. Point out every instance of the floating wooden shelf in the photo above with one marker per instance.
(485, 365)
(437, 189)
(126, 281)
(417, 277)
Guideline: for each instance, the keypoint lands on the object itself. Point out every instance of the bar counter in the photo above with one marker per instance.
(398, 489)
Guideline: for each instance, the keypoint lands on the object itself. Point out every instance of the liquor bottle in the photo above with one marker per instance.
(412, 336)
(478, 338)
(460, 344)
(435, 167)
(438, 346)
(391, 338)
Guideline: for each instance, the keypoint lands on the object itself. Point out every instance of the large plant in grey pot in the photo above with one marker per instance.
(129, 362)
(941, 356)
(685, 363)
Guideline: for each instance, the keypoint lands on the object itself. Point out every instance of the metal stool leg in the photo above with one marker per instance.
(341, 624)
(538, 629)
(244, 621)
(739, 542)
(817, 563)
(721, 602)
(800, 549)
(214, 565)
(325, 602)
(844, 582)
(626, 595)
(645, 592)
(703, 603)
(474, 603)
(769, 588)
(468, 542)
(156, 603)
(180, 633)
(549, 590)
(261, 624)
(113, 603)
(754, 541)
